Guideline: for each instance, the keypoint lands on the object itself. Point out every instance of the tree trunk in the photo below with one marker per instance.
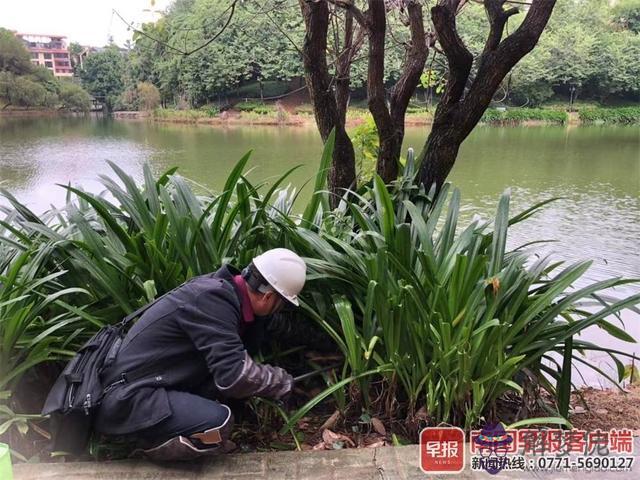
(390, 119)
(343, 171)
(389, 151)
(465, 100)
(343, 67)
(441, 149)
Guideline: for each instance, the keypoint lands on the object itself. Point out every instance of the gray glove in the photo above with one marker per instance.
(259, 380)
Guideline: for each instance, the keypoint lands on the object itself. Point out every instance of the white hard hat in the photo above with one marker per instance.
(284, 270)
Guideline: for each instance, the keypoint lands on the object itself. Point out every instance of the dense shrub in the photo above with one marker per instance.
(304, 109)
(14, 57)
(74, 97)
(148, 96)
(270, 88)
(412, 109)
(366, 145)
(188, 116)
(520, 115)
(210, 110)
(25, 92)
(628, 115)
(251, 106)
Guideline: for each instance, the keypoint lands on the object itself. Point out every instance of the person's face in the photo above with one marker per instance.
(268, 304)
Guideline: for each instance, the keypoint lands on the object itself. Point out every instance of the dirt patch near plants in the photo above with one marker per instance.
(604, 409)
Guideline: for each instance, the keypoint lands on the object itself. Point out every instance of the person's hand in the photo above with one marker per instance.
(260, 380)
(283, 385)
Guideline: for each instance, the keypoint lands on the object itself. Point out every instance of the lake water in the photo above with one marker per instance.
(595, 169)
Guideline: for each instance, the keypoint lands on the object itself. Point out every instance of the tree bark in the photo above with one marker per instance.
(389, 119)
(327, 114)
(389, 150)
(406, 85)
(343, 67)
(465, 100)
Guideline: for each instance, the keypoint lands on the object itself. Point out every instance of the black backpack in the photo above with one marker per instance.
(78, 391)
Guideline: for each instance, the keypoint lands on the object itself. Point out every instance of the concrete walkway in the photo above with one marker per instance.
(385, 463)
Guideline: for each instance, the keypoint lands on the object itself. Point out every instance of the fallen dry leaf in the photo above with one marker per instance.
(380, 443)
(319, 446)
(331, 421)
(330, 438)
(41, 431)
(378, 426)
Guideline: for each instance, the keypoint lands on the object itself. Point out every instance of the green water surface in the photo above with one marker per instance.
(596, 170)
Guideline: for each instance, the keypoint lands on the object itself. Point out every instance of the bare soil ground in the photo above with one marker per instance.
(604, 409)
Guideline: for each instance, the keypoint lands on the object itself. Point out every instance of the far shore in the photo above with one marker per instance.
(235, 118)
(356, 116)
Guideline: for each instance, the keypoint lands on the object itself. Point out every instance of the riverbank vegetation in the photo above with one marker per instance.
(601, 45)
(23, 85)
(256, 112)
(517, 116)
(432, 319)
(623, 115)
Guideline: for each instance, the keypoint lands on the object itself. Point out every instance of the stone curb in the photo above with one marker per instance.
(385, 463)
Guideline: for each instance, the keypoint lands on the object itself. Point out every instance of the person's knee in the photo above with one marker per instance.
(212, 439)
(217, 432)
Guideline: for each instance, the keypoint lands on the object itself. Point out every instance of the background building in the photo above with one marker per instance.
(50, 51)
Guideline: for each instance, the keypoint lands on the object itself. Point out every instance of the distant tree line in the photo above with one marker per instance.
(23, 84)
(589, 49)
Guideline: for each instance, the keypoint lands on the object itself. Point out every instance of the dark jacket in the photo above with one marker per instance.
(186, 340)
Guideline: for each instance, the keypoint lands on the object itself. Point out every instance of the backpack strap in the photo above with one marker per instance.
(132, 316)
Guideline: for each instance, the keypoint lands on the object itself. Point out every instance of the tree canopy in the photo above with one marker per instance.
(23, 84)
(588, 45)
(103, 75)
(14, 57)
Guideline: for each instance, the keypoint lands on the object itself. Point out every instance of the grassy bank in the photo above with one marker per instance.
(520, 116)
(259, 114)
(621, 115)
(252, 113)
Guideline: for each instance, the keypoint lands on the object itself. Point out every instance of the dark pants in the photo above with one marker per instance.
(190, 414)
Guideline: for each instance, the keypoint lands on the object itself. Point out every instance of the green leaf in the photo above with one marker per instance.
(539, 421)
(321, 180)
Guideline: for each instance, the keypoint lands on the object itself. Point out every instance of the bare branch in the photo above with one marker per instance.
(375, 79)
(231, 9)
(358, 14)
(284, 33)
(496, 64)
(459, 58)
(413, 65)
(497, 19)
(343, 68)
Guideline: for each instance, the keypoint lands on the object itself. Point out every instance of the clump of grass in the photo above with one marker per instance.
(255, 107)
(620, 115)
(450, 317)
(187, 116)
(304, 109)
(515, 116)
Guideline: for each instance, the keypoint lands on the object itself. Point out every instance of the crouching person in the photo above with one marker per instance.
(186, 354)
